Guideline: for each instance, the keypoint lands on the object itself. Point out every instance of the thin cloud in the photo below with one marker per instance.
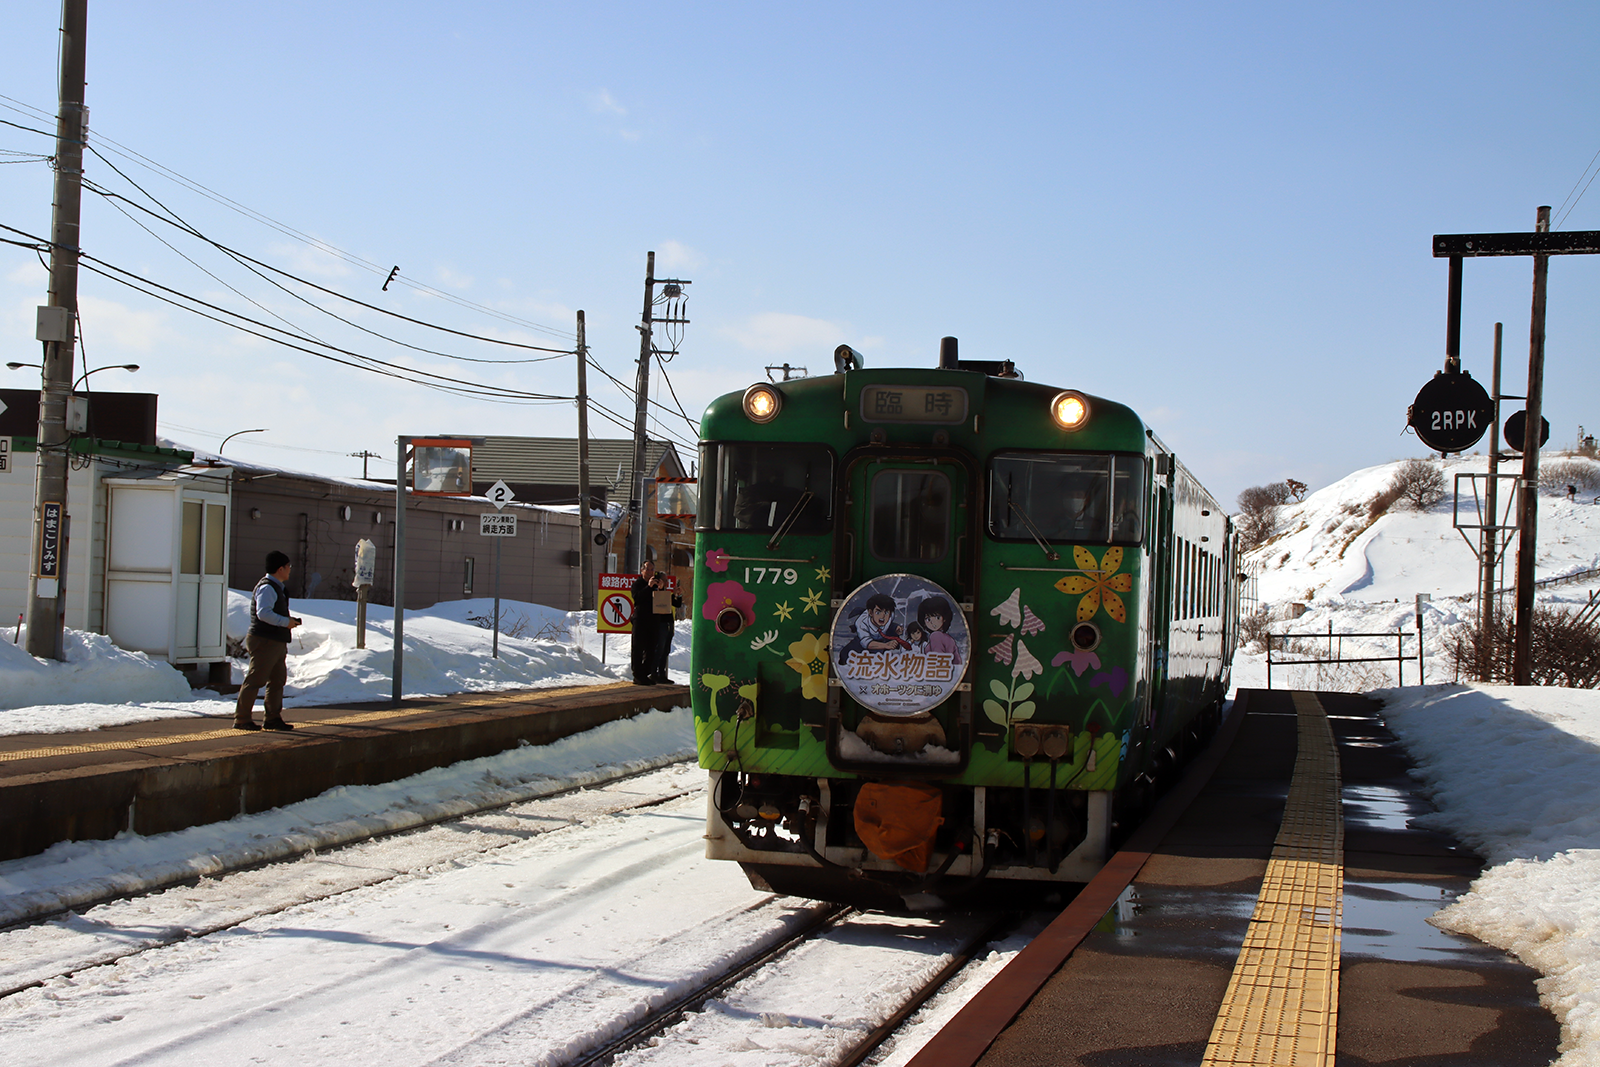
(778, 333)
(674, 255)
(605, 103)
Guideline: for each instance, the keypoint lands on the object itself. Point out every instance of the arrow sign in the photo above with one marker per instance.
(500, 494)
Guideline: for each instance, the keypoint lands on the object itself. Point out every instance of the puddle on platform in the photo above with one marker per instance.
(1378, 807)
(1388, 920)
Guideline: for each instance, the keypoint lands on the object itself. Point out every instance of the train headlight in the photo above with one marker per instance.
(762, 403)
(1070, 410)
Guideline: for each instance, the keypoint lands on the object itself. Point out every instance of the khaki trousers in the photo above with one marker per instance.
(269, 666)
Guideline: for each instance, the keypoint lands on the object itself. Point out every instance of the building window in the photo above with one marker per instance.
(468, 565)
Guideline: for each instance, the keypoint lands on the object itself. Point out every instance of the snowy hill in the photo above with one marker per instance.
(1362, 573)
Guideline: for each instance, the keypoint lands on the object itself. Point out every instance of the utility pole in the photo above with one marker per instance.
(46, 588)
(1490, 555)
(1522, 647)
(363, 456)
(586, 585)
(671, 290)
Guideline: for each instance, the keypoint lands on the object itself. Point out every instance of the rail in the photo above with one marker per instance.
(1335, 642)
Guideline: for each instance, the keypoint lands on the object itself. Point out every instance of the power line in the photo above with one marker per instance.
(181, 225)
(288, 231)
(245, 262)
(369, 363)
(1574, 189)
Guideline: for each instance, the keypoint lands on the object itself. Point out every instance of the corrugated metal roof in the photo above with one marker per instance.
(554, 460)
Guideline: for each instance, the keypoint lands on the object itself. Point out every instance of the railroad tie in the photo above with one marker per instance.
(1282, 1003)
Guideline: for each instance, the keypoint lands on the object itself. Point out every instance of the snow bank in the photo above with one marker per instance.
(447, 650)
(1515, 773)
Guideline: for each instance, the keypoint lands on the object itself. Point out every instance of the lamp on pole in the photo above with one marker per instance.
(236, 433)
(85, 374)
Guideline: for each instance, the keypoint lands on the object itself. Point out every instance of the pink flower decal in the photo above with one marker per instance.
(717, 559)
(1002, 650)
(1031, 623)
(721, 595)
(1079, 661)
(1116, 679)
(1027, 664)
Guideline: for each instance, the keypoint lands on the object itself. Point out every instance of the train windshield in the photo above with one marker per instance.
(1055, 497)
(766, 487)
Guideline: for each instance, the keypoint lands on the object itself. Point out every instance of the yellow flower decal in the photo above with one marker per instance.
(783, 611)
(810, 658)
(1098, 583)
(812, 600)
(823, 574)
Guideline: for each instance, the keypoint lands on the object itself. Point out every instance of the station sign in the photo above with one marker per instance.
(5, 455)
(614, 604)
(1451, 413)
(1516, 429)
(495, 524)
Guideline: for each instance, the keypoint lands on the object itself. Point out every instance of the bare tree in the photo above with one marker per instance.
(1418, 482)
(1258, 513)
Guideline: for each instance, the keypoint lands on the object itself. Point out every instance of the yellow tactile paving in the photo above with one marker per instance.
(134, 743)
(1282, 1003)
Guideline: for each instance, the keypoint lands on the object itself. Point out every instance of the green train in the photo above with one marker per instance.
(953, 629)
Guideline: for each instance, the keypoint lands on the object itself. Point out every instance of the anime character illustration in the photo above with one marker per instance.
(875, 629)
(933, 619)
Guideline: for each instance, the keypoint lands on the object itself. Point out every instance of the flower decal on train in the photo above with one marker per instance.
(1010, 612)
(717, 559)
(730, 594)
(1001, 650)
(1116, 679)
(1027, 664)
(1099, 585)
(1079, 661)
(809, 656)
(1031, 623)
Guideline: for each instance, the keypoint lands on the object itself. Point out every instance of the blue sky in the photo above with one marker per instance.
(1220, 215)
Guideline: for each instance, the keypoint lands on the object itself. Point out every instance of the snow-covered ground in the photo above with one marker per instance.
(447, 650)
(1360, 575)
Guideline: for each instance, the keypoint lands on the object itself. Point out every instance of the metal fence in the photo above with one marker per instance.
(1335, 652)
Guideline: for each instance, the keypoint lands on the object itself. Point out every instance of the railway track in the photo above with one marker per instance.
(653, 1032)
(82, 943)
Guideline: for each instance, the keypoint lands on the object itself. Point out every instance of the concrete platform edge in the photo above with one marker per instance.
(151, 793)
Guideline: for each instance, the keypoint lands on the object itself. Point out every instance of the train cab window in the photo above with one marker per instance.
(910, 515)
(763, 488)
(1077, 497)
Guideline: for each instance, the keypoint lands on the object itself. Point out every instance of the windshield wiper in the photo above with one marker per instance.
(1049, 553)
(782, 531)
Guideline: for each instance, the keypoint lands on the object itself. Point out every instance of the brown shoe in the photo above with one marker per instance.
(277, 724)
(245, 724)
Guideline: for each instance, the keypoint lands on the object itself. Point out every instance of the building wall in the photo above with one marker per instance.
(85, 559)
(306, 519)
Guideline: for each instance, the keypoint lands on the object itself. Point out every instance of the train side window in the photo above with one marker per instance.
(910, 515)
(1067, 497)
(759, 487)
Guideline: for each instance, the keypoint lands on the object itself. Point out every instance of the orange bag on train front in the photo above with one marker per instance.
(897, 821)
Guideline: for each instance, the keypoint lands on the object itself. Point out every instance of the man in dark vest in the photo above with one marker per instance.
(268, 645)
(644, 627)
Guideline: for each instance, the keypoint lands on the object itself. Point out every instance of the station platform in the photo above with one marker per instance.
(1271, 911)
(169, 774)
